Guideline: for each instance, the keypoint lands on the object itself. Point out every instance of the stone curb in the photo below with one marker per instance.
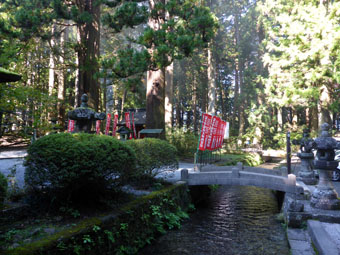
(321, 239)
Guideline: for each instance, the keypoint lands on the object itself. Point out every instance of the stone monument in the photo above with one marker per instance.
(324, 196)
(84, 116)
(306, 173)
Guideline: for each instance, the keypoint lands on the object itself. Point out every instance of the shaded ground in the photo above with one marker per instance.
(9, 142)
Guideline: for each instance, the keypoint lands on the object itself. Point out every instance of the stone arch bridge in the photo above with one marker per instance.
(239, 175)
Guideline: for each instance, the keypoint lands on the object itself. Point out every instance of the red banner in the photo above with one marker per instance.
(220, 134)
(127, 122)
(211, 143)
(108, 123)
(215, 129)
(70, 127)
(205, 131)
(133, 125)
(115, 122)
(212, 132)
(98, 127)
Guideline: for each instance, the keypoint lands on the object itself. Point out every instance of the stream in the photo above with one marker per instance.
(236, 220)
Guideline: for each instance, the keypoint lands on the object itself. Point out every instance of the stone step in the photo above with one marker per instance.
(300, 242)
(325, 237)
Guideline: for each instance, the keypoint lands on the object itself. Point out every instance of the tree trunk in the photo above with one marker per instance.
(178, 108)
(242, 103)
(155, 92)
(211, 83)
(324, 102)
(169, 95)
(123, 102)
(194, 103)
(279, 119)
(62, 82)
(155, 98)
(313, 119)
(51, 66)
(237, 63)
(88, 53)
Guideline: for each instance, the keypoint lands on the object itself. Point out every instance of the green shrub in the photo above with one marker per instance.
(3, 189)
(184, 141)
(77, 167)
(153, 156)
(248, 159)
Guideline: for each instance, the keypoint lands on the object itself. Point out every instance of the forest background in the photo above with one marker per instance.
(264, 66)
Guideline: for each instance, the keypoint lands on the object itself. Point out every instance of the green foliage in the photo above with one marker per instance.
(77, 167)
(3, 189)
(153, 156)
(248, 159)
(301, 52)
(184, 141)
(190, 26)
(137, 224)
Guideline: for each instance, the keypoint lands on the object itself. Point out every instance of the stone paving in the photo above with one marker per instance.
(300, 242)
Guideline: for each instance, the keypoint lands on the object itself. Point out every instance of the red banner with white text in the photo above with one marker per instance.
(212, 133)
(108, 122)
(206, 122)
(133, 124)
(115, 122)
(70, 127)
(98, 127)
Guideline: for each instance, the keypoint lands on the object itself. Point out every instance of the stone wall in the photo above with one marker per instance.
(136, 224)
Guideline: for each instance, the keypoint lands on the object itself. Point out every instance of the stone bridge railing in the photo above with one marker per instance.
(243, 176)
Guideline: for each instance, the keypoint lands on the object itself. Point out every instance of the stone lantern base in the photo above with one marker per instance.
(324, 196)
(306, 173)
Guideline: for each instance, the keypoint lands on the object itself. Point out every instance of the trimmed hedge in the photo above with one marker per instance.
(3, 189)
(77, 167)
(137, 224)
(153, 156)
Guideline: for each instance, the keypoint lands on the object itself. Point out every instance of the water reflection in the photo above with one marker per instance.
(237, 220)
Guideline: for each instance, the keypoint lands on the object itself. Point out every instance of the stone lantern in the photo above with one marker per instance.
(324, 196)
(306, 173)
(84, 116)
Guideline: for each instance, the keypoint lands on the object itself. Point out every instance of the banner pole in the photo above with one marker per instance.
(197, 150)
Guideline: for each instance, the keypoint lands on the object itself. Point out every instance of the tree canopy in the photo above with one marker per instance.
(265, 66)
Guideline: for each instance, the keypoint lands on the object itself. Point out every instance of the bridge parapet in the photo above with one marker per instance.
(237, 175)
(282, 171)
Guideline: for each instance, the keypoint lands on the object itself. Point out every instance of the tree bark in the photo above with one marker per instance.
(169, 95)
(237, 63)
(241, 104)
(194, 103)
(155, 98)
(62, 81)
(88, 53)
(211, 83)
(155, 92)
(51, 66)
(324, 102)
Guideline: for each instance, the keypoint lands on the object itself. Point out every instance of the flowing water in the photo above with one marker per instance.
(236, 220)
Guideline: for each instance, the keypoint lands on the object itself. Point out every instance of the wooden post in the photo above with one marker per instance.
(288, 153)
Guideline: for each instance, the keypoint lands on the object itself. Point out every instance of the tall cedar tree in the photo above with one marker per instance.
(35, 18)
(175, 28)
